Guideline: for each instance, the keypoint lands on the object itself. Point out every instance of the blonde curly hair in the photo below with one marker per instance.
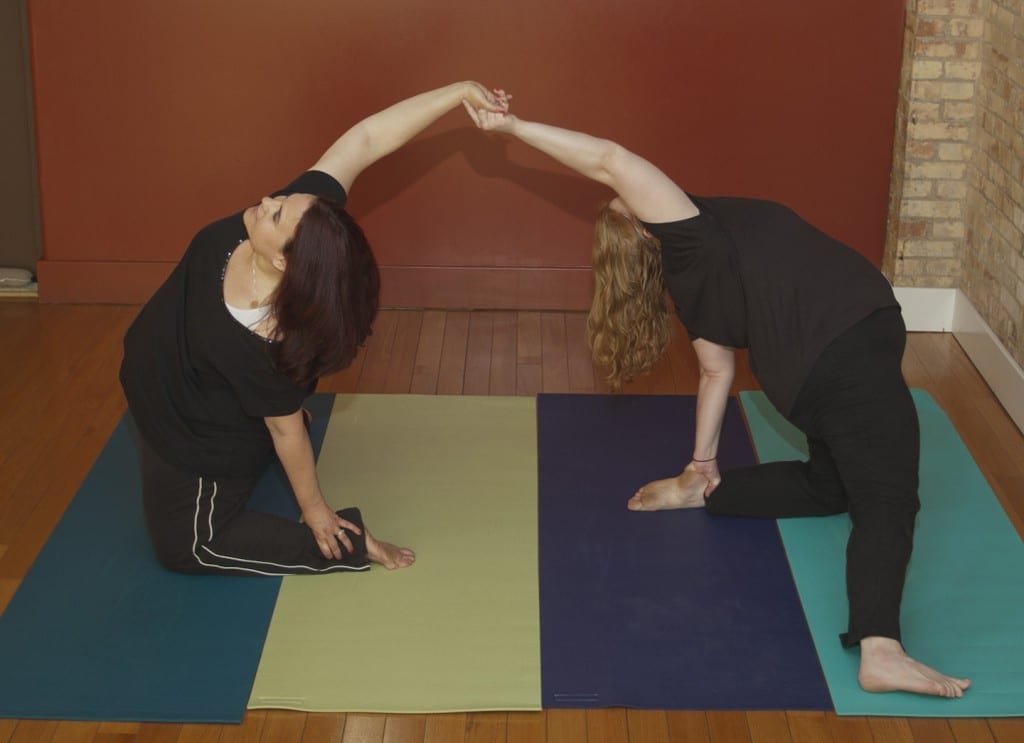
(629, 324)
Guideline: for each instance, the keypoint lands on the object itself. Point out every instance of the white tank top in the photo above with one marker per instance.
(249, 318)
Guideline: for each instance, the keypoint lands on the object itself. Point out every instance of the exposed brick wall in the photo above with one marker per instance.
(993, 260)
(935, 119)
(957, 203)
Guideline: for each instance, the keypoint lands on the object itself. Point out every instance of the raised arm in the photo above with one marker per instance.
(385, 131)
(647, 192)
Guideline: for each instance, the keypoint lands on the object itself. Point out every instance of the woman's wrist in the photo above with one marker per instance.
(311, 502)
(472, 92)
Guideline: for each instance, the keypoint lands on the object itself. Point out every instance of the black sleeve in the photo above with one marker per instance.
(264, 392)
(686, 236)
(702, 278)
(318, 183)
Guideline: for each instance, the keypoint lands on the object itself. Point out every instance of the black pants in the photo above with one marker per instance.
(201, 525)
(864, 441)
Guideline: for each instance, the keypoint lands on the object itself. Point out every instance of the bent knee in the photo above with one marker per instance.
(178, 559)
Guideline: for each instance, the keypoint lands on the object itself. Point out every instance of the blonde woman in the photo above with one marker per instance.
(826, 339)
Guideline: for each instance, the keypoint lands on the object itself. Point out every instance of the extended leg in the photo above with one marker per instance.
(857, 401)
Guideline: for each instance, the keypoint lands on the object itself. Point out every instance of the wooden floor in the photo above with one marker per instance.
(60, 400)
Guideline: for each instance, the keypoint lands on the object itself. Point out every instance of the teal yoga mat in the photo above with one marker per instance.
(99, 630)
(963, 605)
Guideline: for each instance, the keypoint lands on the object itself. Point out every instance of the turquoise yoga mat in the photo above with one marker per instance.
(99, 630)
(963, 605)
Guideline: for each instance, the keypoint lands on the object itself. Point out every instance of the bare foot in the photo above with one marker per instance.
(884, 666)
(685, 491)
(387, 554)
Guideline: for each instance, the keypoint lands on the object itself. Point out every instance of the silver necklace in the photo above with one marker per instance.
(252, 265)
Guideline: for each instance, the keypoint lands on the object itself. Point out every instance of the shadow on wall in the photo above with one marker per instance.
(487, 156)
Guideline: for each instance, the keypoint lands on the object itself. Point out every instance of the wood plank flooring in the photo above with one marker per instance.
(60, 400)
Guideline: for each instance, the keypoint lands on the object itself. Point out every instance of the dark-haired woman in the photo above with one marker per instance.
(826, 340)
(218, 363)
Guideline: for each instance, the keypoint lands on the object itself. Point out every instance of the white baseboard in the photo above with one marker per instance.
(926, 310)
(949, 310)
(990, 356)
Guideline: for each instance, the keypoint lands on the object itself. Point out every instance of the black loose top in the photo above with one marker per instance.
(747, 273)
(198, 382)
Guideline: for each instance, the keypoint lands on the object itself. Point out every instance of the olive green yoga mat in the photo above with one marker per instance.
(963, 605)
(455, 478)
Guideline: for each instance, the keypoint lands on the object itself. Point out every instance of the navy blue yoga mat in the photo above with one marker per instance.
(99, 630)
(668, 610)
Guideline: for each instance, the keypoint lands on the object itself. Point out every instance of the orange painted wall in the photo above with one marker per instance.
(155, 117)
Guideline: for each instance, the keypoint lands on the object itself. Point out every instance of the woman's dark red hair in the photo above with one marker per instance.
(328, 297)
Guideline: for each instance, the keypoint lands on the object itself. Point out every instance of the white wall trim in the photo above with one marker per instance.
(1003, 374)
(926, 310)
(950, 311)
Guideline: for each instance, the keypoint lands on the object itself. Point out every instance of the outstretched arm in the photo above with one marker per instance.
(385, 131)
(647, 192)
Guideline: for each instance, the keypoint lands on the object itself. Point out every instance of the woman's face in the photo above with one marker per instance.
(272, 222)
